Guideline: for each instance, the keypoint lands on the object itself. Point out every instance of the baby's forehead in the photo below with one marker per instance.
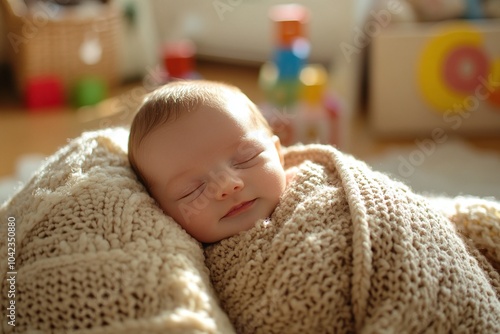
(224, 102)
(241, 106)
(232, 104)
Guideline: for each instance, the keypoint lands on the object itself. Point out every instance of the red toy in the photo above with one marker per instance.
(44, 92)
(178, 59)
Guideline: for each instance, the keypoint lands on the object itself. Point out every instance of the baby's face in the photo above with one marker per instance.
(213, 171)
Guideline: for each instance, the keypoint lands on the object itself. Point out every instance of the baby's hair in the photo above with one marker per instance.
(170, 101)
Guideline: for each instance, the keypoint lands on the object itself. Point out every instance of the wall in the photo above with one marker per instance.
(241, 29)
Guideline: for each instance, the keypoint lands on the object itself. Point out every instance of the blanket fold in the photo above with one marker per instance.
(93, 253)
(350, 250)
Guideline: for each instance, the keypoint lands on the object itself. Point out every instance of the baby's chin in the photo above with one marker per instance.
(250, 224)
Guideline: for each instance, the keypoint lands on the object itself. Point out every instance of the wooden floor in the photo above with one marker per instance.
(23, 132)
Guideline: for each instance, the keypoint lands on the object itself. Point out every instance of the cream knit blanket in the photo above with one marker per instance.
(94, 254)
(349, 250)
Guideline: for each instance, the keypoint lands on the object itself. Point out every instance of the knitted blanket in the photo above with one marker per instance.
(86, 250)
(90, 252)
(350, 250)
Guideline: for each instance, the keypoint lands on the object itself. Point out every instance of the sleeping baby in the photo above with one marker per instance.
(306, 238)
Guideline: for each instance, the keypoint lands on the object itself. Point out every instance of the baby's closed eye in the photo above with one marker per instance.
(192, 192)
(248, 160)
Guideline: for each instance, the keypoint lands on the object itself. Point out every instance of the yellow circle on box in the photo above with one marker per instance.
(494, 84)
(435, 90)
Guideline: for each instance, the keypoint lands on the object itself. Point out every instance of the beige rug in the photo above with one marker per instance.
(452, 168)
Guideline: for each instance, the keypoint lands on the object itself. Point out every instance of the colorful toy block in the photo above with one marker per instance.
(281, 92)
(290, 23)
(89, 91)
(44, 92)
(178, 59)
(289, 62)
(314, 80)
(299, 107)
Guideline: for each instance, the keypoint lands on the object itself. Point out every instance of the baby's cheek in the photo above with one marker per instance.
(280, 179)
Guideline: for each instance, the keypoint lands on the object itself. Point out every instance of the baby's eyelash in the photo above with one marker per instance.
(247, 160)
(191, 192)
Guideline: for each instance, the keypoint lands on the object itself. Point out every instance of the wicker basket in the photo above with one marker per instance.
(45, 42)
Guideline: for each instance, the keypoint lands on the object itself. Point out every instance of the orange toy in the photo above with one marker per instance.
(290, 21)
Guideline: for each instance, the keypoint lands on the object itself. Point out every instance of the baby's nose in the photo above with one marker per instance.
(233, 185)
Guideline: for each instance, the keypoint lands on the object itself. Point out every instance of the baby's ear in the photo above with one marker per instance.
(277, 144)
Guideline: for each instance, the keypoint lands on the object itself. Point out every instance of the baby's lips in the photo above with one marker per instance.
(239, 208)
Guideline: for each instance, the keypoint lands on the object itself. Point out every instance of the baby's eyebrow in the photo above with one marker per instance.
(178, 183)
(248, 143)
(173, 183)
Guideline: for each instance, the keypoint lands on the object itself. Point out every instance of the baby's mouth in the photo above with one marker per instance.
(239, 208)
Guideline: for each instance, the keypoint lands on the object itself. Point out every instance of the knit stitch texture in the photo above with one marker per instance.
(346, 250)
(350, 250)
(95, 254)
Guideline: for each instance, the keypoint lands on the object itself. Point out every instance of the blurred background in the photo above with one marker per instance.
(410, 86)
